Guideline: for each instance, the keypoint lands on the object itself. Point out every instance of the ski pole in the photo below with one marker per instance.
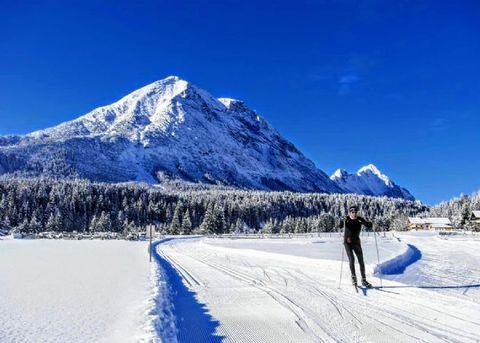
(341, 268)
(378, 258)
(343, 256)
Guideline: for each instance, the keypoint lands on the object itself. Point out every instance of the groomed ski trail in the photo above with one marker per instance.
(261, 296)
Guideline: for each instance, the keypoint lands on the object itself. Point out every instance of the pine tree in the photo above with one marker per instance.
(24, 226)
(35, 225)
(187, 223)
(54, 222)
(399, 222)
(239, 224)
(219, 220)
(269, 227)
(104, 223)
(209, 223)
(93, 224)
(177, 220)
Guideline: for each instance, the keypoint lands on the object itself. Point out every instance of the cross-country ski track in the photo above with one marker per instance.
(287, 290)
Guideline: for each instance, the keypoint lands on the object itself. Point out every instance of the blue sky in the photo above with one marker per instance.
(394, 83)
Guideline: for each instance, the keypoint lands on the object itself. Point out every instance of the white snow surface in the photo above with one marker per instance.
(287, 290)
(240, 290)
(77, 291)
(447, 263)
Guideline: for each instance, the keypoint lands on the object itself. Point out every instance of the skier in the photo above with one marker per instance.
(352, 225)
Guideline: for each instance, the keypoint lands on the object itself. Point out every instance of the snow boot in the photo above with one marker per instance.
(366, 284)
(354, 280)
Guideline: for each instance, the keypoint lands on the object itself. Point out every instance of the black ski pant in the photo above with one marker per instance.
(357, 248)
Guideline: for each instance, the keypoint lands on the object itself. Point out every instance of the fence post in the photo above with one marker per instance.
(150, 227)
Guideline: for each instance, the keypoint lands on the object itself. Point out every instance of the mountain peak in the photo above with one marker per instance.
(173, 78)
(339, 174)
(167, 87)
(369, 180)
(169, 81)
(371, 168)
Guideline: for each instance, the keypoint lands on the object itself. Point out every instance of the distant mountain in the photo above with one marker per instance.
(370, 181)
(167, 130)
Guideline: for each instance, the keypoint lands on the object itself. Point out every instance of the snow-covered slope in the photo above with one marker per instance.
(369, 180)
(169, 129)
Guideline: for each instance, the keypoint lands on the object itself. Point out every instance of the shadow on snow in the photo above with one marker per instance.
(477, 285)
(192, 320)
(386, 288)
(397, 265)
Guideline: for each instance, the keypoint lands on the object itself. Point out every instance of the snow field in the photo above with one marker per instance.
(287, 291)
(449, 265)
(75, 291)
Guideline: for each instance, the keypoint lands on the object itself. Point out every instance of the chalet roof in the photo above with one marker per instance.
(440, 225)
(415, 220)
(430, 221)
(476, 214)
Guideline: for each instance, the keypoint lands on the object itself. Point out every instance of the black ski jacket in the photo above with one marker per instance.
(353, 227)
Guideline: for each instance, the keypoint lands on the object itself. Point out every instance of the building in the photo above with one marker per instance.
(414, 223)
(475, 220)
(432, 223)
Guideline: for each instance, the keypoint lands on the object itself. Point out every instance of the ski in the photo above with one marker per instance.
(376, 288)
(384, 290)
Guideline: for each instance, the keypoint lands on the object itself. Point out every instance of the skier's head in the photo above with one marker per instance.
(352, 211)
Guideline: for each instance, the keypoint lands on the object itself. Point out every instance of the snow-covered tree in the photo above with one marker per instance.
(187, 223)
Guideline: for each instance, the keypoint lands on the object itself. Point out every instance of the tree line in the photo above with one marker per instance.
(459, 210)
(41, 204)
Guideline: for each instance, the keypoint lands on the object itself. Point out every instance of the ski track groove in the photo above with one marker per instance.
(338, 306)
(187, 276)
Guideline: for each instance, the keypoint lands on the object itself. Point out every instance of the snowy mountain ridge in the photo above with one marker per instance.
(169, 129)
(371, 181)
(173, 130)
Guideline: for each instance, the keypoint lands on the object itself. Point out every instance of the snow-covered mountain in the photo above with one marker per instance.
(369, 180)
(169, 129)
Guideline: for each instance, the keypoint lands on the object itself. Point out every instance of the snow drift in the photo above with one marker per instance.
(398, 264)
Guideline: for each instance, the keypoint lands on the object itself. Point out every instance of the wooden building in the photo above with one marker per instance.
(431, 223)
(475, 220)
